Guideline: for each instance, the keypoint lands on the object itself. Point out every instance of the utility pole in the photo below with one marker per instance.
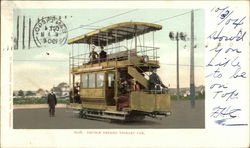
(29, 32)
(177, 37)
(17, 33)
(192, 85)
(70, 95)
(23, 31)
(177, 67)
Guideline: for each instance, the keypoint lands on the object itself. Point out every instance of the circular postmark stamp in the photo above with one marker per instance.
(50, 30)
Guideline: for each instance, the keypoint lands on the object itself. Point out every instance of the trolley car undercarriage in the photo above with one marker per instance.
(88, 113)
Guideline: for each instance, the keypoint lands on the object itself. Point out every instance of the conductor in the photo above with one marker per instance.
(155, 81)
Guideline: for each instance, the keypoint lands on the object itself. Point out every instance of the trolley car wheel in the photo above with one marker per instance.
(82, 114)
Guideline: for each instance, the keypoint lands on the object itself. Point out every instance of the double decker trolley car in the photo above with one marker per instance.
(114, 81)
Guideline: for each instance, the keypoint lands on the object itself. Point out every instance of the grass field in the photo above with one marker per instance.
(66, 101)
(37, 101)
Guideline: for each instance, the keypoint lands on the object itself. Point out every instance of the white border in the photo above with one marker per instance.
(208, 137)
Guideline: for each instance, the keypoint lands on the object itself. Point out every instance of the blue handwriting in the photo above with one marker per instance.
(224, 112)
(218, 86)
(223, 122)
(225, 16)
(233, 62)
(238, 74)
(225, 60)
(217, 36)
(215, 74)
(220, 89)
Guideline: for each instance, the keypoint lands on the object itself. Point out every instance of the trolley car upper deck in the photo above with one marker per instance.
(120, 55)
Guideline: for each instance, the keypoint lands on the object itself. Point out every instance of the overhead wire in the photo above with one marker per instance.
(101, 20)
(104, 19)
(24, 60)
(82, 26)
(181, 65)
(164, 19)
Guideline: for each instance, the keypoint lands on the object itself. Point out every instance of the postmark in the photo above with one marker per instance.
(50, 31)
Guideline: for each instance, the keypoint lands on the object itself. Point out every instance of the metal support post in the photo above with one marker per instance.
(192, 85)
(177, 68)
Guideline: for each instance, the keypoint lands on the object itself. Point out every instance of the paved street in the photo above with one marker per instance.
(183, 117)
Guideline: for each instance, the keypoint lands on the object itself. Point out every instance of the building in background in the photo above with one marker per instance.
(184, 92)
(61, 91)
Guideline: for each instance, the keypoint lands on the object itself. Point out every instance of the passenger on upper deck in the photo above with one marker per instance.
(93, 55)
(102, 54)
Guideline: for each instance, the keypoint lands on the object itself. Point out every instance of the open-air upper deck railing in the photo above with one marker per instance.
(116, 53)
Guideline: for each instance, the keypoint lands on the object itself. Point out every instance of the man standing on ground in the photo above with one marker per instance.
(52, 101)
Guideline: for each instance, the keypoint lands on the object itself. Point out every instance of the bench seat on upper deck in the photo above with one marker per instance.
(122, 55)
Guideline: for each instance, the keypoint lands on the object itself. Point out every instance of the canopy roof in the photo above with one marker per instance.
(115, 33)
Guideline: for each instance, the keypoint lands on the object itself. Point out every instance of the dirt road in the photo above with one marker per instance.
(183, 117)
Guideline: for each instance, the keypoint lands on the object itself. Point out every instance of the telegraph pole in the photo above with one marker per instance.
(177, 67)
(192, 85)
(179, 36)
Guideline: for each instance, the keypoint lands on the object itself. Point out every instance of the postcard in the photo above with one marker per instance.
(124, 74)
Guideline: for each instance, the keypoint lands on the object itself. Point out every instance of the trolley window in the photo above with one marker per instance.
(92, 80)
(84, 80)
(111, 79)
(100, 80)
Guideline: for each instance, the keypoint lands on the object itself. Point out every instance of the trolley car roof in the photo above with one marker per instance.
(115, 33)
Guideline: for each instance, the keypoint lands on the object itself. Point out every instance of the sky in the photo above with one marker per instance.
(34, 68)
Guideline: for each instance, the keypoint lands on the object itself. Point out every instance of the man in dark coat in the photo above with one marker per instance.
(102, 54)
(155, 81)
(52, 101)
